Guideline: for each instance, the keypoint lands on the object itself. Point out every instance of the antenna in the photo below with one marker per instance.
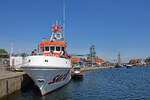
(64, 15)
(56, 22)
(11, 49)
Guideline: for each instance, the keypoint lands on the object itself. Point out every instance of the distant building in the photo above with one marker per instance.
(75, 60)
(87, 61)
(107, 63)
(137, 61)
(143, 62)
(1, 58)
(133, 61)
(97, 60)
(1, 61)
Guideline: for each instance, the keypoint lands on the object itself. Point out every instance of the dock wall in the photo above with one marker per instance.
(10, 83)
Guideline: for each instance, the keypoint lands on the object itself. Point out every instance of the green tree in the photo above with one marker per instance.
(107, 62)
(24, 54)
(83, 59)
(3, 53)
(147, 59)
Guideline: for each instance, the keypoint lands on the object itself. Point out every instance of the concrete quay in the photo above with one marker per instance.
(83, 69)
(10, 82)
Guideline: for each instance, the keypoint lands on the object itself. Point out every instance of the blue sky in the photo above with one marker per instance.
(111, 25)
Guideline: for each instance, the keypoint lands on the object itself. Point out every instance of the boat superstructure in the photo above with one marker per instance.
(51, 68)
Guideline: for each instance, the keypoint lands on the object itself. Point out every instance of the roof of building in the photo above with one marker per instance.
(97, 60)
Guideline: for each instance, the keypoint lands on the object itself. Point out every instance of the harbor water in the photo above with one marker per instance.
(107, 84)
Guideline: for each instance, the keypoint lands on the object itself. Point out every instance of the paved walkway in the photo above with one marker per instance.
(5, 74)
(3, 70)
(8, 74)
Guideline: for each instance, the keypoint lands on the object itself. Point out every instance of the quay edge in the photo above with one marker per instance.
(10, 83)
(83, 69)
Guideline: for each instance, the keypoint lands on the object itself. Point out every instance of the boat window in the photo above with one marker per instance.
(46, 48)
(57, 48)
(63, 49)
(58, 35)
(52, 48)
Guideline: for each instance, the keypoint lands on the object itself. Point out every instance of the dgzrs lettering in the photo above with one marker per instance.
(59, 78)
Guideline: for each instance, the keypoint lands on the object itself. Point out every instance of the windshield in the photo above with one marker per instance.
(47, 48)
(52, 48)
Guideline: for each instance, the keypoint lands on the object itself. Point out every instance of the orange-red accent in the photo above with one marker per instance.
(72, 74)
(56, 28)
(66, 55)
(75, 60)
(53, 43)
(47, 53)
(80, 74)
(7, 67)
(54, 53)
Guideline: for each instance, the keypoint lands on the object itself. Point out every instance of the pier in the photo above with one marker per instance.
(83, 69)
(94, 68)
(10, 82)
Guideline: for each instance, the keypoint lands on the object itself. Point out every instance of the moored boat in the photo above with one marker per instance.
(77, 73)
(51, 68)
(129, 66)
(117, 65)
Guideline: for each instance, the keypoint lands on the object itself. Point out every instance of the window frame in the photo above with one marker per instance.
(45, 48)
(52, 46)
(59, 48)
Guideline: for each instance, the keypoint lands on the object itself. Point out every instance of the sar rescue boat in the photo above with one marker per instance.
(76, 73)
(51, 68)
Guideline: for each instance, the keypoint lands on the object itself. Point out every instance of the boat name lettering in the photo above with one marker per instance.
(59, 78)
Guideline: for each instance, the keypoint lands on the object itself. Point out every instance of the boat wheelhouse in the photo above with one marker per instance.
(56, 46)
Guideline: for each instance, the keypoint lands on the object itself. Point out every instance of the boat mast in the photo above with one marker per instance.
(56, 29)
(64, 18)
(56, 33)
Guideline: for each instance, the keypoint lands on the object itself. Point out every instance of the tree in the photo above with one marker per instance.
(3, 53)
(107, 62)
(24, 54)
(83, 59)
(147, 59)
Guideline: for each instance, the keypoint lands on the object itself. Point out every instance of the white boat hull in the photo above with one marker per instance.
(48, 77)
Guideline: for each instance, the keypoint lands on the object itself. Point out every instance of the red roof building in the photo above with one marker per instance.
(97, 60)
(75, 60)
(133, 61)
